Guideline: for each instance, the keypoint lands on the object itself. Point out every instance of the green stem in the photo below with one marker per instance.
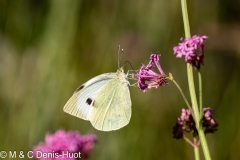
(189, 68)
(196, 153)
(203, 141)
(200, 93)
(185, 19)
(188, 141)
(192, 88)
(180, 90)
(193, 94)
(196, 149)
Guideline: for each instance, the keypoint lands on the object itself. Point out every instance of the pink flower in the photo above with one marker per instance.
(188, 48)
(65, 142)
(185, 123)
(147, 78)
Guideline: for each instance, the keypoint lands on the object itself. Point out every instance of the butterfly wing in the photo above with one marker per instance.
(80, 104)
(111, 109)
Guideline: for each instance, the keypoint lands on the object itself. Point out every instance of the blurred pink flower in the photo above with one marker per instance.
(65, 142)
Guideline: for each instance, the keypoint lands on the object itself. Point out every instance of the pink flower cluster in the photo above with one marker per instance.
(189, 48)
(68, 142)
(185, 123)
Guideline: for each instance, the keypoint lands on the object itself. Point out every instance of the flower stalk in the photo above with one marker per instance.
(196, 110)
(196, 149)
(200, 93)
(180, 90)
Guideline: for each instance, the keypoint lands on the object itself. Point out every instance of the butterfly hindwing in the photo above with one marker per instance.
(80, 104)
(112, 106)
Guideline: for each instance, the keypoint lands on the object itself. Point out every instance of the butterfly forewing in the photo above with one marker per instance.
(80, 104)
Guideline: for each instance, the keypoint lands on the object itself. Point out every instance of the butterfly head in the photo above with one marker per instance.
(122, 77)
(120, 70)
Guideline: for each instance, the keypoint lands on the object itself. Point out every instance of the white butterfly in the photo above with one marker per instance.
(103, 100)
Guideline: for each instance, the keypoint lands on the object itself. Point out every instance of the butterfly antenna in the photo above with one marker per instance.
(119, 55)
(129, 64)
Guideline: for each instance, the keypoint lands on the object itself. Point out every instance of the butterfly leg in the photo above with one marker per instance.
(132, 74)
(133, 85)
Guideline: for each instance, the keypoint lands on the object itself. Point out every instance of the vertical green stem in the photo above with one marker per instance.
(203, 140)
(196, 148)
(200, 93)
(196, 153)
(189, 67)
(193, 94)
(192, 88)
(185, 19)
(200, 131)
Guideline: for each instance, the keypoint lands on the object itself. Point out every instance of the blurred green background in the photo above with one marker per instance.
(50, 47)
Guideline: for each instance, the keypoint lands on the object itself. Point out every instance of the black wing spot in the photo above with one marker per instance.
(89, 101)
(79, 88)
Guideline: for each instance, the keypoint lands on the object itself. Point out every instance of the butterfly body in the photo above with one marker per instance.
(103, 100)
